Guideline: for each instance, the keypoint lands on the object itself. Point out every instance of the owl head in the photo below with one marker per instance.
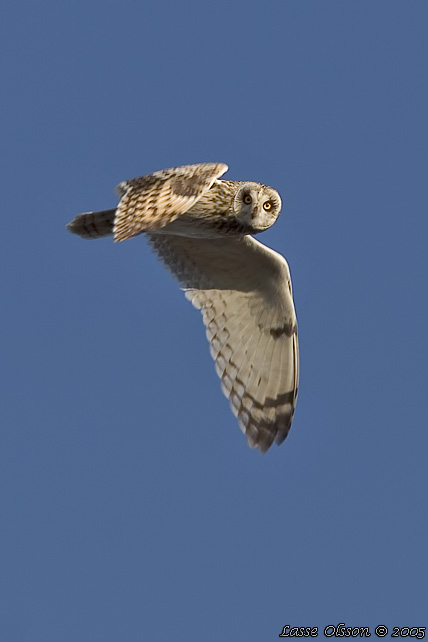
(256, 205)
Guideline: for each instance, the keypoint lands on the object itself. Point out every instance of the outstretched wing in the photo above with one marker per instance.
(243, 290)
(151, 202)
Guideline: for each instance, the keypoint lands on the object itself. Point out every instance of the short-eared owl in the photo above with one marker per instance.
(201, 228)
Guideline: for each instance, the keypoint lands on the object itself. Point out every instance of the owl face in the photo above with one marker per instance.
(256, 205)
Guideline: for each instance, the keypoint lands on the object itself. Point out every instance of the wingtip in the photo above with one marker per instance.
(223, 168)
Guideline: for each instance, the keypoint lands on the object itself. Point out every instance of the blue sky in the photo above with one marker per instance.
(131, 507)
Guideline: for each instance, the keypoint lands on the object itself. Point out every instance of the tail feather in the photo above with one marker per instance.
(93, 225)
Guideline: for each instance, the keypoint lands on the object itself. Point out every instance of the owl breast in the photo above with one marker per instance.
(214, 226)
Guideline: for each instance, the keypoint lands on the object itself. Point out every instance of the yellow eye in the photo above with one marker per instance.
(267, 205)
(247, 199)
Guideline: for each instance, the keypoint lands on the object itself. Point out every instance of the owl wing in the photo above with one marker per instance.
(151, 202)
(243, 290)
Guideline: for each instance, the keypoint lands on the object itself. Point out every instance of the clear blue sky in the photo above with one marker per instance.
(131, 507)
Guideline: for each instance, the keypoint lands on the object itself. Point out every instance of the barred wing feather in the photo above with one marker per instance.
(243, 290)
(152, 201)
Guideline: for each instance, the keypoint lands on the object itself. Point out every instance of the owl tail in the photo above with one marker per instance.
(93, 225)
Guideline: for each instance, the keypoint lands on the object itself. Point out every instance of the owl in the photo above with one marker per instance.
(202, 228)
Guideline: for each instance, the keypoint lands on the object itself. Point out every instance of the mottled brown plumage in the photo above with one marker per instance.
(200, 227)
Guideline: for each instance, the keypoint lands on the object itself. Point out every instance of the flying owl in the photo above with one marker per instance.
(201, 227)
